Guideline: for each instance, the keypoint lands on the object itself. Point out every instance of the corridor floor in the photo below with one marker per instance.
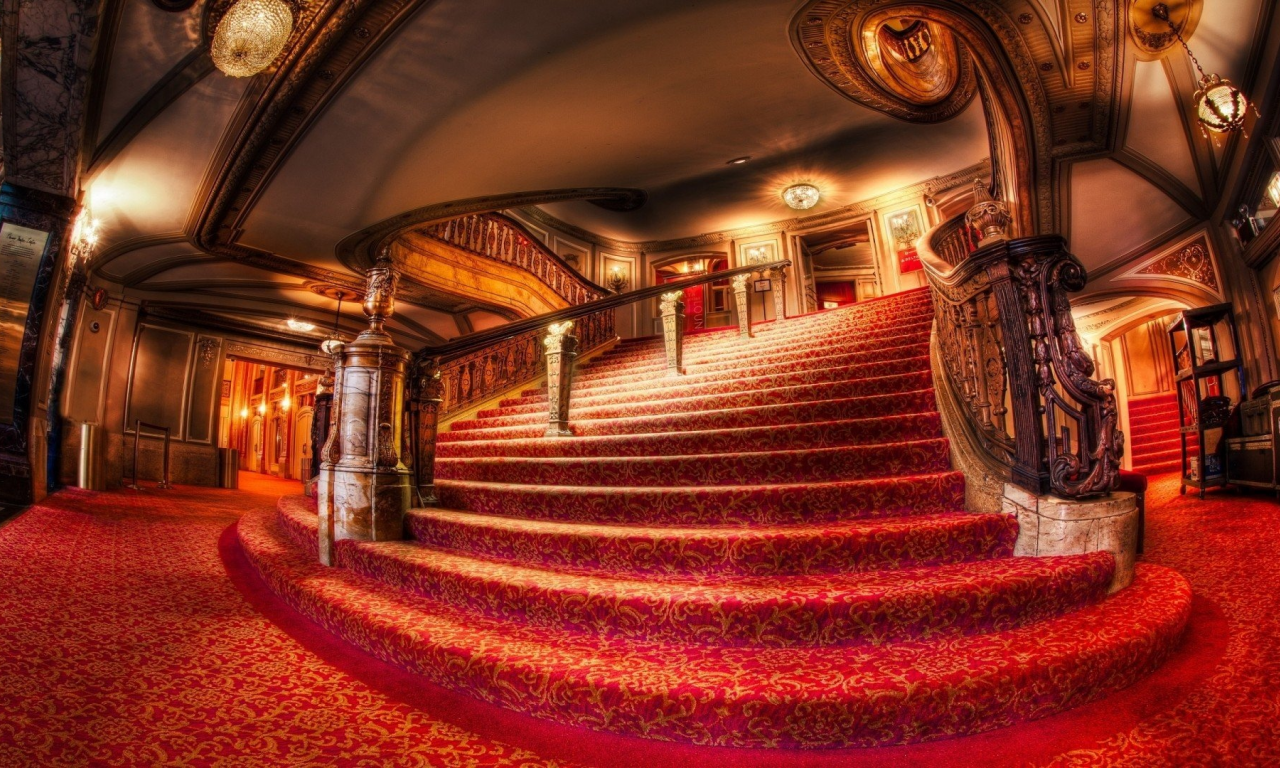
(132, 633)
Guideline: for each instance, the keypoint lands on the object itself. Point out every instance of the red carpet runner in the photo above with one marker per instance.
(769, 551)
(1153, 434)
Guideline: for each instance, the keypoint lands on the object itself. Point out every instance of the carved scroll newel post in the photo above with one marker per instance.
(743, 303)
(672, 306)
(778, 277)
(370, 486)
(561, 348)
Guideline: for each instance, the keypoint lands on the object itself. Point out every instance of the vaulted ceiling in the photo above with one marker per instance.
(454, 99)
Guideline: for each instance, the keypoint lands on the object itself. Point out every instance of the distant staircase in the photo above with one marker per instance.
(1153, 434)
(771, 550)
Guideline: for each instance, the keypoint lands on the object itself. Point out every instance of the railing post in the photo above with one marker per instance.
(743, 303)
(370, 487)
(778, 277)
(426, 391)
(672, 308)
(561, 349)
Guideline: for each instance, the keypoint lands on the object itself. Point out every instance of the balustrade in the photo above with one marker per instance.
(1009, 347)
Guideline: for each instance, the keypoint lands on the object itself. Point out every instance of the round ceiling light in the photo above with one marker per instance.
(250, 36)
(801, 197)
(738, 160)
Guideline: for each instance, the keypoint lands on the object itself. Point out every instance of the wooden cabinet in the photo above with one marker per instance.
(1209, 380)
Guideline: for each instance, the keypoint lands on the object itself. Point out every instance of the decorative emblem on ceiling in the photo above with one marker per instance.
(902, 60)
(1190, 261)
(1151, 35)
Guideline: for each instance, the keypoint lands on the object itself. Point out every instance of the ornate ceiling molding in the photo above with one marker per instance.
(1189, 261)
(918, 74)
(854, 211)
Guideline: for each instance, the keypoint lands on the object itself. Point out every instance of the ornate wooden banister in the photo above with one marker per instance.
(449, 378)
(1009, 348)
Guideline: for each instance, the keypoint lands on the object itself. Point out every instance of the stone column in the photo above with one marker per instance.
(672, 308)
(778, 276)
(743, 302)
(561, 348)
(329, 456)
(426, 391)
(1049, 526)
(371, 486)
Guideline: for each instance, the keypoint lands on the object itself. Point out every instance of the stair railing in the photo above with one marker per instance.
(447, 379)
(1011, 357)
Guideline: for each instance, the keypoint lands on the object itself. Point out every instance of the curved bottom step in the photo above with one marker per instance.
(783, 697)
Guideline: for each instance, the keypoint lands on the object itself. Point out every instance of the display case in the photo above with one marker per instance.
(1209, 382)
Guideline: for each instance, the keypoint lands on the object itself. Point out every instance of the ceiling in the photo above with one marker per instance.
(487, 97)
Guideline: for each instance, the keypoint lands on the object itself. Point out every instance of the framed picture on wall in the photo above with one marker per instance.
(763, 286)
(904, 228)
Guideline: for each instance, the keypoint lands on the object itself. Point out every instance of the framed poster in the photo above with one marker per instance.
(21, 249)
(904, 228)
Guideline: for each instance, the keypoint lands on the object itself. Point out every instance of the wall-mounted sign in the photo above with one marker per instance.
(905, 228)
(20, 251)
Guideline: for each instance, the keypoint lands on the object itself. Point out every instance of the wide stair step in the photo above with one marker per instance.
(739, 695)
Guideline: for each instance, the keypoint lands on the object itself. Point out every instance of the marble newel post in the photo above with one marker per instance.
(365, 487)
(672, 308)
(561, 351)
(743, 303)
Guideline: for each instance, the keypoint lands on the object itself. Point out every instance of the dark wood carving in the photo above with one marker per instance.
(1009, 345)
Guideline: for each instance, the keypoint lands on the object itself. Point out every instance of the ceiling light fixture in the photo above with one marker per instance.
(739, 160)
(1220, 106)
(300, 325)
(801, 197)
(250, 36)
(334, 343)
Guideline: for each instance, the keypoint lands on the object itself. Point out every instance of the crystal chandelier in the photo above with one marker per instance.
(250, 36)
(1220, 106)
(801, 196)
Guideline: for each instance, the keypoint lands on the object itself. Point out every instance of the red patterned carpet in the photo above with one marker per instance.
(126, 643)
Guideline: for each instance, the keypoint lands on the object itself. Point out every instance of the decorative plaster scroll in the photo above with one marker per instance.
(1189, 261)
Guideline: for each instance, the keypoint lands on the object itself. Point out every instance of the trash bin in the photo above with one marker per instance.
(228, 468)
(90, 475)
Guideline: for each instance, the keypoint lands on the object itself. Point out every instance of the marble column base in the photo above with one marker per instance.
(369, 505)
(324, 509)
(1048, 526)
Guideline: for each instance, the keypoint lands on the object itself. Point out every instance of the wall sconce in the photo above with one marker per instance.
(244, 413)
(262, 409)
(285, 403)
(617, 280)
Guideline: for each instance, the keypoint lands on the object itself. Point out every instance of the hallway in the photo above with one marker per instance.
(135, 637)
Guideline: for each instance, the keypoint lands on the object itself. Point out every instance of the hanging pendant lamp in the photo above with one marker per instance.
(1220, 106)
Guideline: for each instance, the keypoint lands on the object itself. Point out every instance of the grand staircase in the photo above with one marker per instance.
(771, 550)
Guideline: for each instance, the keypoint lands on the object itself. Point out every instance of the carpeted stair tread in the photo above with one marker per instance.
(785, 503)
(745, 696)
(803, 412)
(791, 466)
(878, 385)
(838, 609)
(759, 550)
(749, 348)
(663, 388)
(737, 369)
(820, 434)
